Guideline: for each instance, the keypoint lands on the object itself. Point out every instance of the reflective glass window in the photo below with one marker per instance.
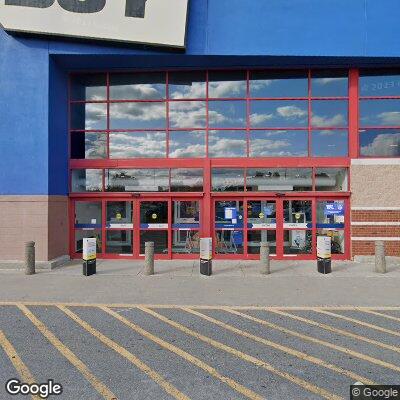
(187, 114)
(331, 214)
(227, 114)
(261, 214)
(88, 145)
(329, 113)
(225, 84)
(380, 83)
(279, 113)
(159, 238)
(278, 84)
(119, 213)
(330, 143)
(227, 144)
(138, 115)
(185, 214)
(279, 179)
(138, 145)
(187, 144)
(256, 237)
(337, 239)
(88, 214)
(187, 85)
(296, 241)
(137, 180)
(380, 112)
(87, 234)
(187, 180)
(89, 116)
(153, 212)
(229, 241)
(86, 180)
(138, 86)
(380, 142)
(329, 83)
(279, 143)
(185, 241)
(331, 179)
(229, 214)
(119, 242)
(297, 213)
(89, 87)
(227, 180)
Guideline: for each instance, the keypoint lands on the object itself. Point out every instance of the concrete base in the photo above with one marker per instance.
(371, 259)
(40, 265)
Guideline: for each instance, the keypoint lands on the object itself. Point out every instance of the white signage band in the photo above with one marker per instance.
(155, 22)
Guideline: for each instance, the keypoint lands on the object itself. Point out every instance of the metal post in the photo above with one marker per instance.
(29, 258)
(264, 258)
(149, 258)
(380, 259)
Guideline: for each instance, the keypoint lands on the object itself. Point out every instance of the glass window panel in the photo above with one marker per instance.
(119, 213)
(89, 87)
(331, 214)
(153, 212)
(227, 84)
(279, 179)
(331, 179)
(138, 86)
(261, 214)
(187, 144)
(380, 143)
(329, 113)
(254, 238)
(229, 242)
(297, 213)
(89, 116)
(185, 242)
(279, 113)
(380, 112)
(138, 145)
(86, 180)
(227, 180)
(119, 242)
(380, 83)
(229, 213)
(187, 85)
(227, 144)
(278, 84)
(88, 145)
(337, 239)
(187, 180)
(137, 180)
(185, 214)
(297, 242)
(187, 114)
(87, 234)
(159, 238)
(136, 115)
(330, 143)
(278, 143)
(329, 84)
(88, 214)
(227, 114)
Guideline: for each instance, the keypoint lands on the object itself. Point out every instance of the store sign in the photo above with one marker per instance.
(156, 22)
(334, 209)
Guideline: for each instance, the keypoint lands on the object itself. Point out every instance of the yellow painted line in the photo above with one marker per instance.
(186, 356)
(358, 322)
(246, 357)
(391, 317)
(19, 365)
(168, 387)
(68, 354)
(312, 339)
(337, 330)
(285, 349)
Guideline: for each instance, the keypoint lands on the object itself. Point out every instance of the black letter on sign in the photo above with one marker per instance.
(135, 8)
(82, 6)
(30, 3)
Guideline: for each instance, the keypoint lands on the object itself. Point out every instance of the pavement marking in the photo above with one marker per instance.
(357, 321)
(369, 311)
(168, 387)
(19, 365)
(337, 330)
(69, 355)
(246, 357)
(285, 349)
(312, 339)
(186, 356)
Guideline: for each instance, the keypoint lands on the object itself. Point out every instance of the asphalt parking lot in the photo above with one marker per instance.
(149, 352)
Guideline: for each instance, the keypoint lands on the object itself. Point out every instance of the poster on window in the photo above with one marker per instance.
(298, 239)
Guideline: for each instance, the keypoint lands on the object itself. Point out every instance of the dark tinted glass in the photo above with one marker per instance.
(187, 85)
(227, 84)
(329, 84)
(89, 87)
(380, 143)
(329, 143)
(86, 180)
(379, 112)
(329, 113)
(278, 84)
(88, 145)
(89, 116)
(380, 83)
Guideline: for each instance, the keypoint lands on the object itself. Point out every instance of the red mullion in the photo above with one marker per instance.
(207, 113)
(245, 228)
(279, 228)
(309, 115)
(354, 113)
(314, 226)
(169, 237)
(136, 227)
(103, 227)
(313, 177)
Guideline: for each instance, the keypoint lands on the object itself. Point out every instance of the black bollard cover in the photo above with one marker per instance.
(206, 267)
(89, 267)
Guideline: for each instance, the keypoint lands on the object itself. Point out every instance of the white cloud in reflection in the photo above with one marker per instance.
(384, 144)
(259, 119)
(336, 120)
(138, 92)
(144, 112)
(227, 89)
(195, 91)
(187, 114)
(95, 116)
(390, 117)
(327, 81)
(226, 147)
(95, 146)
(291, 112)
